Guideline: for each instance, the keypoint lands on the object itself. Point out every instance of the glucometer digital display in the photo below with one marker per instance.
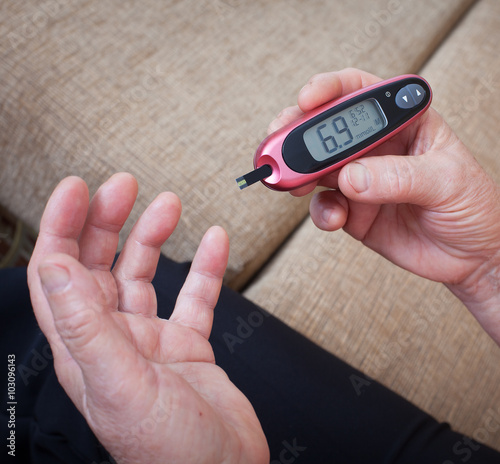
(330, 136)
(333, 135)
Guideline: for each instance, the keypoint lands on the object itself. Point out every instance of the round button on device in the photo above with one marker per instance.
(410, 96)
(404, 99)
(417, 92)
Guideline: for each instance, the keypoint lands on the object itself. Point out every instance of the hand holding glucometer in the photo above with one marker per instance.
(328, 137)
(422, 201)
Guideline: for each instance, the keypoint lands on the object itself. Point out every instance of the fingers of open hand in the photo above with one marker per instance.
(88, 332)
(62, 220)
(61, 224)
(108, 211)
(136, 265)
(198, 297)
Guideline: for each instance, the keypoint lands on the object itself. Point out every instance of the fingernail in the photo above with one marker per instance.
(358, 176)
(54, 278)
(326, 215)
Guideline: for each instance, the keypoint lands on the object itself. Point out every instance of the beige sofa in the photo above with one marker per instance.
(180, 93)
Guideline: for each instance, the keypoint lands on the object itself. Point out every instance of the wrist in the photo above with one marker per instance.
(480, 293)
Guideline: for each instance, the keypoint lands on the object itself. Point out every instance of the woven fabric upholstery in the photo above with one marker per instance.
(408, 333)
(180, 93)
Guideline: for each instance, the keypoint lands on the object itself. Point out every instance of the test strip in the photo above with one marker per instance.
(254, 176)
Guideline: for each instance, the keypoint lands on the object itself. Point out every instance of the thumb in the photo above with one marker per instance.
(394, 179)
(96, 344)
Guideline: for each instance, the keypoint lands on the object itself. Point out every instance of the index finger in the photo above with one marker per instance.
(324, 87)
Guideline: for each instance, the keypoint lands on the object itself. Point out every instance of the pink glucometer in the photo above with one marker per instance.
(325, 139)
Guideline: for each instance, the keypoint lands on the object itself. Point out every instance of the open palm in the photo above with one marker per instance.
(148, 387)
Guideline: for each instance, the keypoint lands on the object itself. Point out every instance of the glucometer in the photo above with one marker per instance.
(325, 139)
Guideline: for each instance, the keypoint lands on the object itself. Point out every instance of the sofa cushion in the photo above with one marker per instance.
(408, 333)
(180, 94)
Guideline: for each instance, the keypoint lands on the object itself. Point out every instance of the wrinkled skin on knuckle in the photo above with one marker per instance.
(399, 177)
(77, 328)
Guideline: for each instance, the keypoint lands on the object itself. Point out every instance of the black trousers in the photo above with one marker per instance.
(313, 407)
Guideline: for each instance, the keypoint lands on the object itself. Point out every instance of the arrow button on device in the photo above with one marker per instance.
(417, 92)
(404, 98)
